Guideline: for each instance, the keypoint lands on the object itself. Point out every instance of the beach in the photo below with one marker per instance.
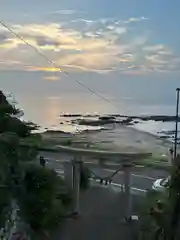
(120, 138)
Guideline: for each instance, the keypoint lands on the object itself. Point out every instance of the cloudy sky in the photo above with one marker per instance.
(132, 37)
(117, 47)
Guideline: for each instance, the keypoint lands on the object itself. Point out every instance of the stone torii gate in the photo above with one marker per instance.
(77, 156)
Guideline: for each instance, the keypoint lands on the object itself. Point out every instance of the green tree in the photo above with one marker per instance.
(162, 221)
(40, 194)
(174, 200)
(10, 171)
(42, 201)
(5, 107)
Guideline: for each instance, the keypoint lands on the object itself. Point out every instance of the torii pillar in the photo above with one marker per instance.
(127, 190)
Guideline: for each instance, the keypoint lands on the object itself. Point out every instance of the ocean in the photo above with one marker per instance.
(43, 101)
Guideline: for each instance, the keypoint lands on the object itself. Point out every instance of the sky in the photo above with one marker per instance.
(93, 41)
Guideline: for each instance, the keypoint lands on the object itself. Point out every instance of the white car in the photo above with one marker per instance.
(160, 185)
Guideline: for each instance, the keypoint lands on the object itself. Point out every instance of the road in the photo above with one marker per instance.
(102, 210)
(141, 178)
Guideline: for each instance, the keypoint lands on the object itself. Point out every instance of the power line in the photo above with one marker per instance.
(51, 62)
(23, 40)
(109, 177)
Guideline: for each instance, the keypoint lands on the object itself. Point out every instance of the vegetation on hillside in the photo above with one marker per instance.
(40, 194)
(161, 213)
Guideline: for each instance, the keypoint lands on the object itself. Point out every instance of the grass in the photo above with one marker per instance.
(154, 165)
(156, 161)
(74, 142)
(35, 139)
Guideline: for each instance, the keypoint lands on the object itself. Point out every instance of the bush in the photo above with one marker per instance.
(43, 202)
(152, 218)
(5, 107)
(9, 173)
(41, 195)
(13, 124)
(168, 217)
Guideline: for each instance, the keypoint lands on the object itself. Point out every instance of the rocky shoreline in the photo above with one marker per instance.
(115, 132)
(114, 118)
(109, 121)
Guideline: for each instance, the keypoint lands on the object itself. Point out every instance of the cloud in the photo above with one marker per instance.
(156, 58)
(135, 19)
(51, 78)
(108, 21)
(87, 21)
(160, 58)
(89, 60)
(3, 37)
(152, 48)
(76, 68)
(51, 32)
(103, 46)
(43, 41)
(120, 30)
(65, 11)
(54, 37)
(8, 64)
(43, 69)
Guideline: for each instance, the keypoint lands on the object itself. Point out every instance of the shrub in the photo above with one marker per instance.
(147, 221)
(40, 194)
(43, 202)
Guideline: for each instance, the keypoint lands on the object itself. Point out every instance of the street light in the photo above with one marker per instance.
(177, 119)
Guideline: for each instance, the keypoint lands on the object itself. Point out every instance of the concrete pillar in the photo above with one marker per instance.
(127, 190)
(76, 185)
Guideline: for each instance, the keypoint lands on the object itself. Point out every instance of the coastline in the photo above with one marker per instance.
(107, 131)
(93, 123)
(121, 138)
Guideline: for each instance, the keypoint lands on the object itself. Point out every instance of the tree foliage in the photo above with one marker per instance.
(13, 124)
(163, 221)
(174, 200)
(10, 174)
(10, 123)
(40, 194)
(5, 107)
(42, 202)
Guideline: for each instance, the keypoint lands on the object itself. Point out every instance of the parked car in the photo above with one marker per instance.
(160, 185)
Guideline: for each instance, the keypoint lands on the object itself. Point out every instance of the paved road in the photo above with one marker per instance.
(101, 217)
(141, 178)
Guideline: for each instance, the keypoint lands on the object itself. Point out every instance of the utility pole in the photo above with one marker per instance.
(177, 119)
